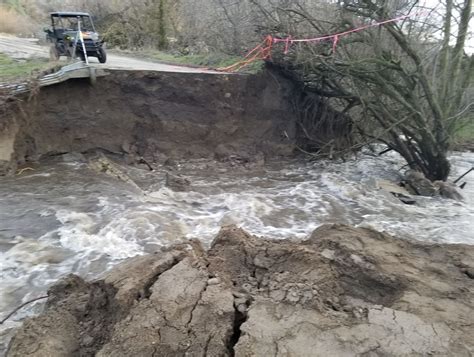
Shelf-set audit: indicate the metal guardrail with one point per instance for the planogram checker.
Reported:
(71, 71)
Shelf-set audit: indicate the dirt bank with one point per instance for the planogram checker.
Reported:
(152, 114)
(342, 292)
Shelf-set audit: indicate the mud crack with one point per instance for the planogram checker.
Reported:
(240, 318)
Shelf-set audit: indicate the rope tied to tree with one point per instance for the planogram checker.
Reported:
(263, 51)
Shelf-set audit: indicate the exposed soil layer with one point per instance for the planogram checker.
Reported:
(155, 115)
(342, 292)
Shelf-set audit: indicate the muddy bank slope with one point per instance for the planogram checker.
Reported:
(152, 114)
(342, 292)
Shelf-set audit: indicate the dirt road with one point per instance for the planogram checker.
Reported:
(24, 48)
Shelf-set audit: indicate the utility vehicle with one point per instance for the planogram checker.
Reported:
(73, 34)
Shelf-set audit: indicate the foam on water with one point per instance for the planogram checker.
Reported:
(65, 219)
(117, 239)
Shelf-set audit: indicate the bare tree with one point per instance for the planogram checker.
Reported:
(394, 92)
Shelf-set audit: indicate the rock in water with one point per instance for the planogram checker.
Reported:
(177, 182)
(343, 292)
(73, 157)
(405, 199)
(448, 190)
(399, 192)
(102, 164)
(419, 184)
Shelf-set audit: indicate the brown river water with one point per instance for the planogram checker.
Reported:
(63, 218)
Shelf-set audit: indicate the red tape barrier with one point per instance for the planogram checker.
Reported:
(264, 50)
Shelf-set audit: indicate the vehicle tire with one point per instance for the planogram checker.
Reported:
(53, 53)
(102, 56)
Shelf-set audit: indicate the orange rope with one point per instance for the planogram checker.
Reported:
(263, 51)
(257, 54)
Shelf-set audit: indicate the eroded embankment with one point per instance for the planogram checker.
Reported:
(342, 292)
(152, 114)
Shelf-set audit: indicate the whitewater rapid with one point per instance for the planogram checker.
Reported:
(63, 218)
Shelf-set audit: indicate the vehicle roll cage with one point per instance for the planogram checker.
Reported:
(57, 19)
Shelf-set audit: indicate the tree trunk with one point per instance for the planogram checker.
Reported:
(162, 36)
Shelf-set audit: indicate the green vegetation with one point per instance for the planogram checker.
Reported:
(212, 60)
(162, 37)
(465, 131)
(11, 69)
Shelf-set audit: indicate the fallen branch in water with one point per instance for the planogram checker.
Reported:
(460, 177)
(143, 161)
(385, 151)
(20, 307)
(25, 169)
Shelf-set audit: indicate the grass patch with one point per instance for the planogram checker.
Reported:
(11, 69)
(465, 131)
(212, 60)
(463, 137)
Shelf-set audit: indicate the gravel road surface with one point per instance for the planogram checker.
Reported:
(24, 48)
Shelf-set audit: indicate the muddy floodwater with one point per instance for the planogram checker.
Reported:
(63, 218)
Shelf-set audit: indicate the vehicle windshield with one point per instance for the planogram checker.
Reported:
(70, 23)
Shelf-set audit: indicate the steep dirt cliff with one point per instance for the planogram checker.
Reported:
(152, 114)
(342, 292)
